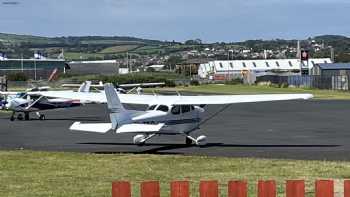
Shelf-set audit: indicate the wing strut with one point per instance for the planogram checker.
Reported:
(214, 115)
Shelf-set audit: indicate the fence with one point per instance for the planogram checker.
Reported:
(294, 188)
(3, 83)
(331, 82)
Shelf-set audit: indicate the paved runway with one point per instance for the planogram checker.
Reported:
(313, 130)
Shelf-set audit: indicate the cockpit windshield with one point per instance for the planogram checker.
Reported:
(152, 107)
(163, 108)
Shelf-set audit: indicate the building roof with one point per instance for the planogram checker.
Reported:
(157, 66)
(335, 66)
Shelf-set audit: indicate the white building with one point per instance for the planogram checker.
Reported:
(157, 67)
(259, 67)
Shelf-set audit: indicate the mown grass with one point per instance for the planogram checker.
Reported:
(26, 173)
(254, 89)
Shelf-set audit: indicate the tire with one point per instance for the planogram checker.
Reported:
(19, 117)
(42, 117)
(12, 118)
(26, 116)
(188, 141)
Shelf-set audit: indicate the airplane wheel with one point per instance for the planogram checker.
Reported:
(12, 118)
(42, 117)
(188, 141)
(26, 116)
(20, 117)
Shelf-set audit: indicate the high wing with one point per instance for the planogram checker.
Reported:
(100, 97)
(131, 85)
(9, 93)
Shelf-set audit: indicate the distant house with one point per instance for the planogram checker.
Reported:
(331, 69)
(191, 66)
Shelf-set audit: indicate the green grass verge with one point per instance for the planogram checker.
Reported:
(119, 49)
(25, 173)
(245, 89)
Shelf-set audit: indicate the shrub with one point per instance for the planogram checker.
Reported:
(194, 83)
(234, 81)
(17, 77)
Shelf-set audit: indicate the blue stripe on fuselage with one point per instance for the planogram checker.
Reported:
(176, 122)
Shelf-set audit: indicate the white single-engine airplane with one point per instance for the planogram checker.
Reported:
(165, 115)
(24, 103)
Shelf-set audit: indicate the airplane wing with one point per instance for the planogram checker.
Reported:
(100, 97)
(131, 85)
(105, 127)
(9, 93)
(231, 99)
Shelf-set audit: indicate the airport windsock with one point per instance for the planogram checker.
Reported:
(53, 75)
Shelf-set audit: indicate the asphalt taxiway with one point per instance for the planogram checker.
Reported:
(312, 130)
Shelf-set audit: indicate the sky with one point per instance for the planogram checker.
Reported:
(179, 20)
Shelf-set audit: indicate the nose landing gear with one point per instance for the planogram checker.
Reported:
(199, 141)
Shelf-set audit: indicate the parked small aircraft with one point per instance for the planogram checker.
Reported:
(24, 103)
(166, 115)
(122, 88)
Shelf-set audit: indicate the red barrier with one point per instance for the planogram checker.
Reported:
(179, 189)
(266, 189)
(150, 189)
(295, 188)
(208, 189)
(324, 188)
(121, 189)
(347, 188)
(237, 189)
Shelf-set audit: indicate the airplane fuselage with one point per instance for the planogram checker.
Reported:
(178, 119)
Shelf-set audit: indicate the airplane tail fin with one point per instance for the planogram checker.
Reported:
(85, 86)
(118, 114)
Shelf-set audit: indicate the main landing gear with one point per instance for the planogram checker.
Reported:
(25, 116)
(40, 116)
(20, 116)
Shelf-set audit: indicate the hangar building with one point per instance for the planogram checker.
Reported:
(102, 67)
(229, 68)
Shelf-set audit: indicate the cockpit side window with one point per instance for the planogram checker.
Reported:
(175, 110)
(163, 108)
(185, 108)
(152, 107)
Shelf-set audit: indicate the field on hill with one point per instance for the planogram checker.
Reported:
(26, 173)
(119, 49)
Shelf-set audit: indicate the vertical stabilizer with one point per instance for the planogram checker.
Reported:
(85, 86)
(118, 114)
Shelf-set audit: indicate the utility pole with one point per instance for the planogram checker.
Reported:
(34, 69)
(332, 55)
(127, 61)
(22, 62)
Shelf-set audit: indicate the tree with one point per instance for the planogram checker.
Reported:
(173, 61)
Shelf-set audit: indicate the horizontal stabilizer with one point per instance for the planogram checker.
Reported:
(139, 128)
(96, 127)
